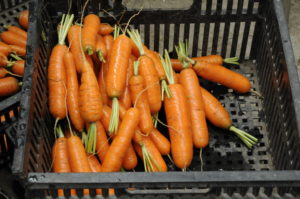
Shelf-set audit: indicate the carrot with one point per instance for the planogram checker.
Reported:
(17, 30)
(212, 59)
(105, 29)
(160, 141)
(95, 167)
(13, 39)
(125, 98)
(23, 18)
(148, 72)
(89, 33)
(9, 86)
(73, 89)
(17, 50)
(116, 75)
(178, 119)
(140, 100)
(189, 80)
(57, 74)
(18, 67)
(218, 116)
(102, 143)
(108, 40)
(74, 41)
(102, 86)
(118, 148)
(148, 152)
(60, 158)
(4, 72)
(4, 61)
(4, 48)
(100, 48)
(130, 160)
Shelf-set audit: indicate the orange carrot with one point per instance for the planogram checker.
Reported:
(189, 80)
(74, 41)
(118, 148)
(4, 61)
(4, 72)
(101, 83)
(23, 18)
(116, 75)
(160, 141)
(102, 144)
(17, 30)
(212, 59)
(130, 160)
(17, 50)
(4, 48)
(57, 75)
(178, 119)
(218, 116)
(152, 155)
(140, 100)
(95, 167)
(125, 98)
(60, 157)
(18, 67)
(8, 86)
(13, 39)
(105, 29)
(89, 33)
(148, 72)
(73, 89)
(100, 48)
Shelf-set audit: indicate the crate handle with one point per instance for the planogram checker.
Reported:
(134, 191)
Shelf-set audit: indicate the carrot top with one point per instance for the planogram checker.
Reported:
(168, 67)
(65, 24)
(182, 53)
(136, 38)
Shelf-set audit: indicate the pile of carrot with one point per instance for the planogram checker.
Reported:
(111, 88)
(12, 54)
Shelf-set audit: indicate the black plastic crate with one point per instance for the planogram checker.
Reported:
(256, 31)
(9, 106)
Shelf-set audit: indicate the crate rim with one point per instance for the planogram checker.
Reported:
(139, 179)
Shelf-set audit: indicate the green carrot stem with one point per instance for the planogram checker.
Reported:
(114, 119)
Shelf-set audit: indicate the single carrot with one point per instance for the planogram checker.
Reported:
(105, 29)
(130, 160)
(73, 89)
(148, 72)
(4, 48)
(100, 48)
(218, 116)
(140, 100)
(176, 77)
(118, 148)
(17, 50)
(125, 98)
(60, 158)
(178, 119)
(160, 141)
(149, 153)
(95, 167)
(4, 61)
(17, 30)
(23, 18)
(89, 33)
(13, 39)
(9, 86)
(77, 157)
(212, 59)
(116, 75)
(74, 42)
(4, 72)
(18, 67)
(57, 84)
(102, 143)
(190, 82)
